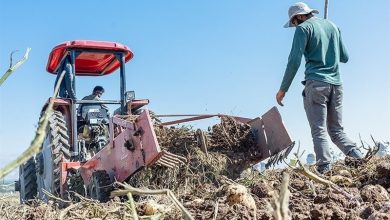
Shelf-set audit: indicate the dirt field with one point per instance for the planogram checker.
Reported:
(368, 184)
(217, 186)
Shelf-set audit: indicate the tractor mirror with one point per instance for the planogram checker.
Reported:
(130, 96)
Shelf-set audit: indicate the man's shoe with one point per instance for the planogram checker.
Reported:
(355, 153)
(324, 168)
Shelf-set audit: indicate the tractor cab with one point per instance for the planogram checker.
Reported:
(88, 117)
(88, 58)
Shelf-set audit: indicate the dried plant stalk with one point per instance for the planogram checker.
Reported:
(280, 202)
(304, 171)
(132, 206)
(129, 189)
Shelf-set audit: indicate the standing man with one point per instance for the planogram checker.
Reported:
(319, 40)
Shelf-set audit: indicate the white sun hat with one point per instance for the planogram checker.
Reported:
(298, 8)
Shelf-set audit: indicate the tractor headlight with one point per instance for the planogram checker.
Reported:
(130, 96)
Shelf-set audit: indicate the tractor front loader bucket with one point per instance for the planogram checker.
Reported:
(271, 137)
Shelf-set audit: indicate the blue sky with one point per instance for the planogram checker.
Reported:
(221, 56)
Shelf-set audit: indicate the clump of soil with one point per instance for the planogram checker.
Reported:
(231, 135)
(374, 193)
(262, 189)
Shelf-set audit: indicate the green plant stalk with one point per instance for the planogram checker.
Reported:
(14, 67)
(36, 143)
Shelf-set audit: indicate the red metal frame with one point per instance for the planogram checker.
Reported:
(199, 117)
(97, 57)
(65, 165)
(271, 136)
(277, 134)
(58, 103)
(120, 161)
(138, 103)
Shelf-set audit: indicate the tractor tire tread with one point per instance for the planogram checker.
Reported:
(103, 185)
(29, 180)
(60, 147)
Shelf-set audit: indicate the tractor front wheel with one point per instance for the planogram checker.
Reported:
(100, 186)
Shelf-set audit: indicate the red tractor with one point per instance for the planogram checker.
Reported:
(82, 139)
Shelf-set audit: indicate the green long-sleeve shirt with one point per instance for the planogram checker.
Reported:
(319, 40)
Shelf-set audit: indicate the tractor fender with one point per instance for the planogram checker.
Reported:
(61, 105)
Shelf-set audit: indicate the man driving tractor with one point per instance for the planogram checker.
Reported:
(96, 95)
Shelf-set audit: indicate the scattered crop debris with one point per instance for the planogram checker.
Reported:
(220, 185)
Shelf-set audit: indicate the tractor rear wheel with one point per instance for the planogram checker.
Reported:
(55, 148)
(100, 186)
(27, 184)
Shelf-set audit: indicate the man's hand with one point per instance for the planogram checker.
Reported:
(280, 96)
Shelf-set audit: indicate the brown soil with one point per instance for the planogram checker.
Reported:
(202, 185)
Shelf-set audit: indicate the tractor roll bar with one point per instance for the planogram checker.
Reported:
(120, 56)
(97, 102)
